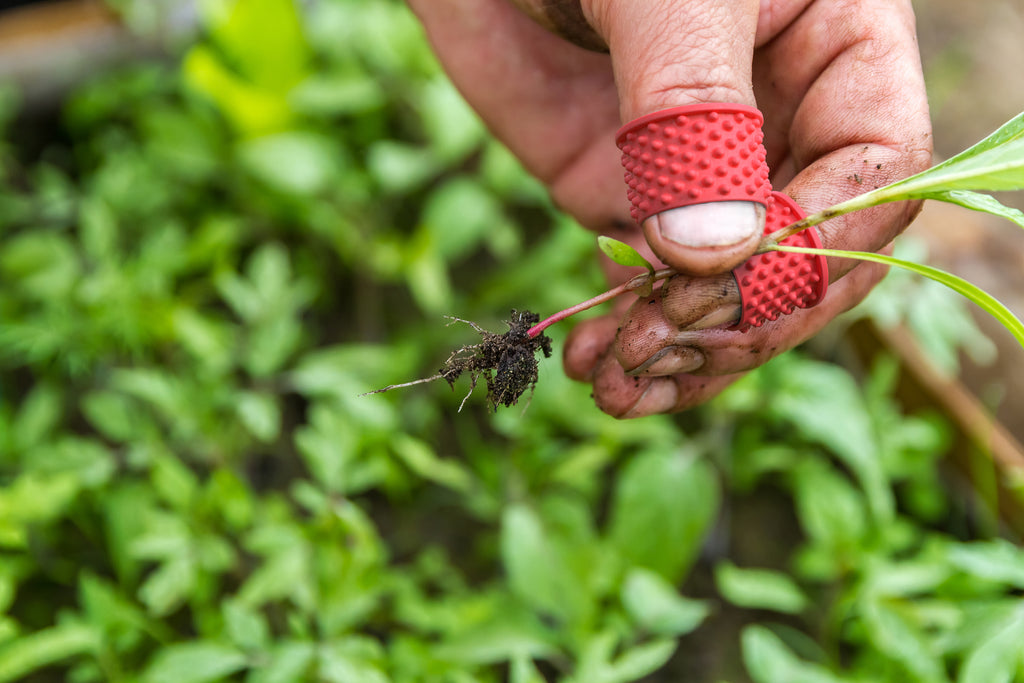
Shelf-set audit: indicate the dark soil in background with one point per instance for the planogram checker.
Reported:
(11, 4)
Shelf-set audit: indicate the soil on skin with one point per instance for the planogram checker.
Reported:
(507, 361)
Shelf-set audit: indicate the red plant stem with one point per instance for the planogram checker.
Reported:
(647, 279)
(573, 310)
(638, 282)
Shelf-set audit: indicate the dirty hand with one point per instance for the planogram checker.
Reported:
(839, 84)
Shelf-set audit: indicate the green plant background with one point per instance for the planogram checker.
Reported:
(216, 256)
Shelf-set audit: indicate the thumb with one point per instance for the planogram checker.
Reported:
(671, 53)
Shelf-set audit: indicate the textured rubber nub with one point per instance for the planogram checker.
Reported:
(776, 283)
(692, 155)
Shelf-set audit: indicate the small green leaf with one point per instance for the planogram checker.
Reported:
(246, 627)
(327, 94)
(759, 589)
(109, 610)
(986, 301)
(112, 414)
(654, 604)
(662, 506)
(766, 657)
(995, 560)
(831, 510)
(284, 662)
(285, 571)
(980, 202)
(260, 414)
(823, 404)
(595, 664)
(497, 628)
(769, 660)
(536, 568)
(42, 648)
(297, 163)
(996, 659)
(905, 577)
(399, 167)
(639, 661)
(995, 164)
(427, 276)
(622, 253)
(425, 462)
(331, 450)
(593, 660)
(523, 671)
(452, 126)
(167, 587)
(251, 109)
(278, 61)
(173, 481)
(352, 658)
(34, 498)
(458, 215)
(40, 412)
(196, 662)
(898, 635)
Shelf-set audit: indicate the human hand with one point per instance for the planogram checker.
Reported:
(840, 87)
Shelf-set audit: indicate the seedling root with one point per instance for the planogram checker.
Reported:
(507, 361)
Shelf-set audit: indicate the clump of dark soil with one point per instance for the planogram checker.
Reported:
(507, 361)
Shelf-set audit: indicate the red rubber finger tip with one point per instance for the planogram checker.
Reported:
(693, 155)
(776, 283)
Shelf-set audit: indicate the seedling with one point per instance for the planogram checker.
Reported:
(508, 361)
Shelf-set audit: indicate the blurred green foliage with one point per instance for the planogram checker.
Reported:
(216, 256)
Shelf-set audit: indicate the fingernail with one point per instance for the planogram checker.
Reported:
(729, 314)
(661, 396)
(670, 360)
(715, 224)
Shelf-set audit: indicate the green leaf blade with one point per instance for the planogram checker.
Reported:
(622, 253)
(986, 301)
(824, 405)
(522, 670)
(653, 603)
(996, 659)
(769, 660)
(45, 647)
(759, 589)
(996, 164)
(537, 571)
(641, 660)
(980, 202)
(662, 508)
(194, 662)
(992, 165)
(996, 560)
